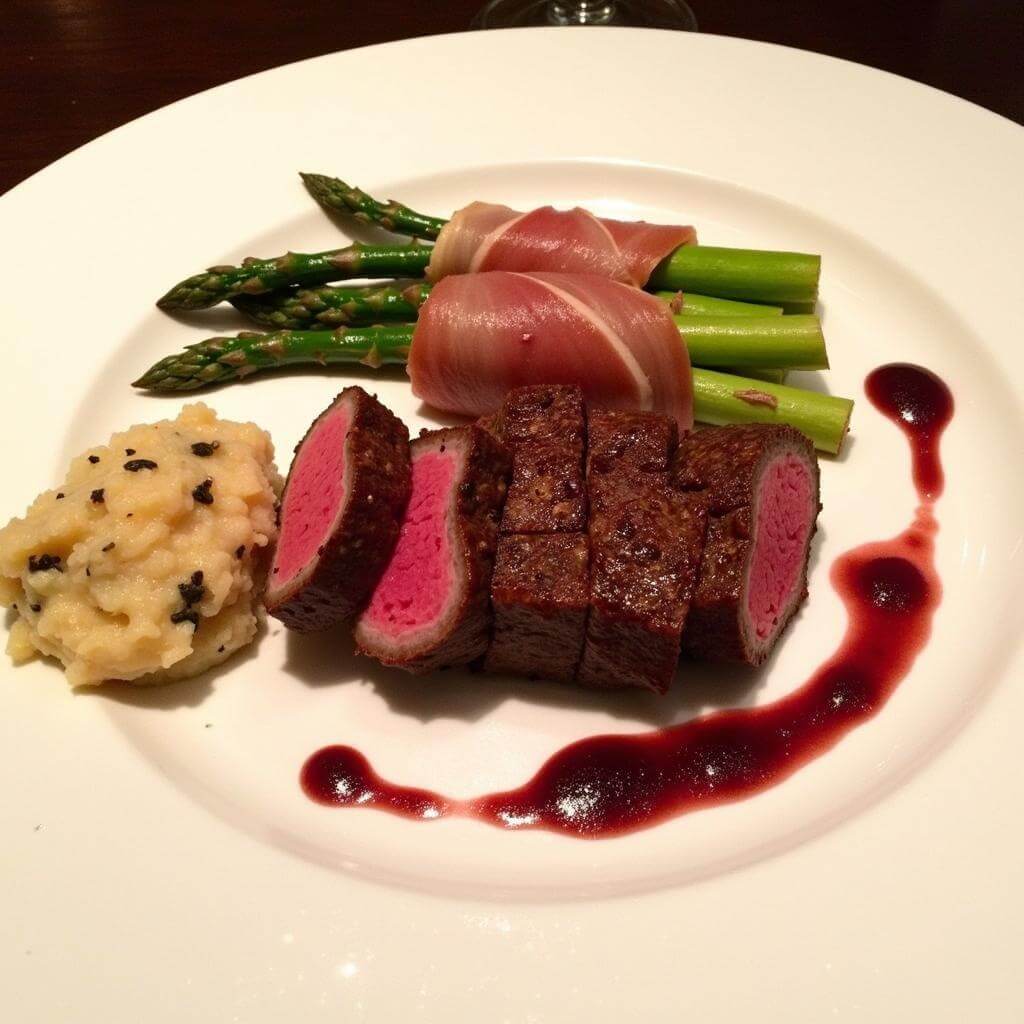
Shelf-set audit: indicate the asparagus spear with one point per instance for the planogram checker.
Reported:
(787, 342)
(256, 276)
(223, 359)
(331, 306)
(710, 341)
(718, 397)
(753, 275)
(334, 194)
(689, 304)
(746, 274)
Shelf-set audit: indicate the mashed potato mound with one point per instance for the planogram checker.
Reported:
(148, 562)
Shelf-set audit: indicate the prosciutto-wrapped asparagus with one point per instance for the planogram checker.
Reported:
(489, 236)
(481, 335)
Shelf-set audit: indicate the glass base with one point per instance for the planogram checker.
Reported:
(638, 13)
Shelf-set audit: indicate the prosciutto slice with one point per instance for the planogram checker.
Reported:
(481, 335)
(486, 236)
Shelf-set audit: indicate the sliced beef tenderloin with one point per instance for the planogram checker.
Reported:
(431, 608)
(547, 493)
(543, 412)
(540, 592)
(623, 443)
(544, 427)
(645, 546)
(761, 485)
(340, 513)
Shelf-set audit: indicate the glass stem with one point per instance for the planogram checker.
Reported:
(582, 12)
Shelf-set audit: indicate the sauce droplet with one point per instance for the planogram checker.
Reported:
(921, 404)
(343, 776)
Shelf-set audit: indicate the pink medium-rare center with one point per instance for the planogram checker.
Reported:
(431, 608)
(342, 503)
(785, 515)
(316, 492)
(416, 585)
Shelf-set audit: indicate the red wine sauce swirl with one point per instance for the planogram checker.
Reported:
(609, 785)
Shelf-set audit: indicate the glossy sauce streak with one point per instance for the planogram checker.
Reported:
(920, 404)
(609, 785)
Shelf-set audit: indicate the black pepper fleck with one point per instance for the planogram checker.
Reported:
(36, 607)
(186, 615)
(108, 547)
(60, 494)
(129, 451)
(97, 496)
(88, 571)
(193, 591)
(94, 459)
(201, 492)
(40, 563)
(204, 449)
(240, 551)
(134, 465)
(220, 650)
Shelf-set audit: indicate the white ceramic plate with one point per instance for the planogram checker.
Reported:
(160, 861)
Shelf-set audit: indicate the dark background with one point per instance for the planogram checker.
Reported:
(73, 69)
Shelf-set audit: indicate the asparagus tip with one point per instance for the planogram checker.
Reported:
(170, 303)
(317, 184)
(146, 382)
(151, 379)
(197, 292)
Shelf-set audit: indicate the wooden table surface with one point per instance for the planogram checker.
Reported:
(71, 70)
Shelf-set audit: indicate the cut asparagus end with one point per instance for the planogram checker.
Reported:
(751, 275)
(721, 399)
(787, 342)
